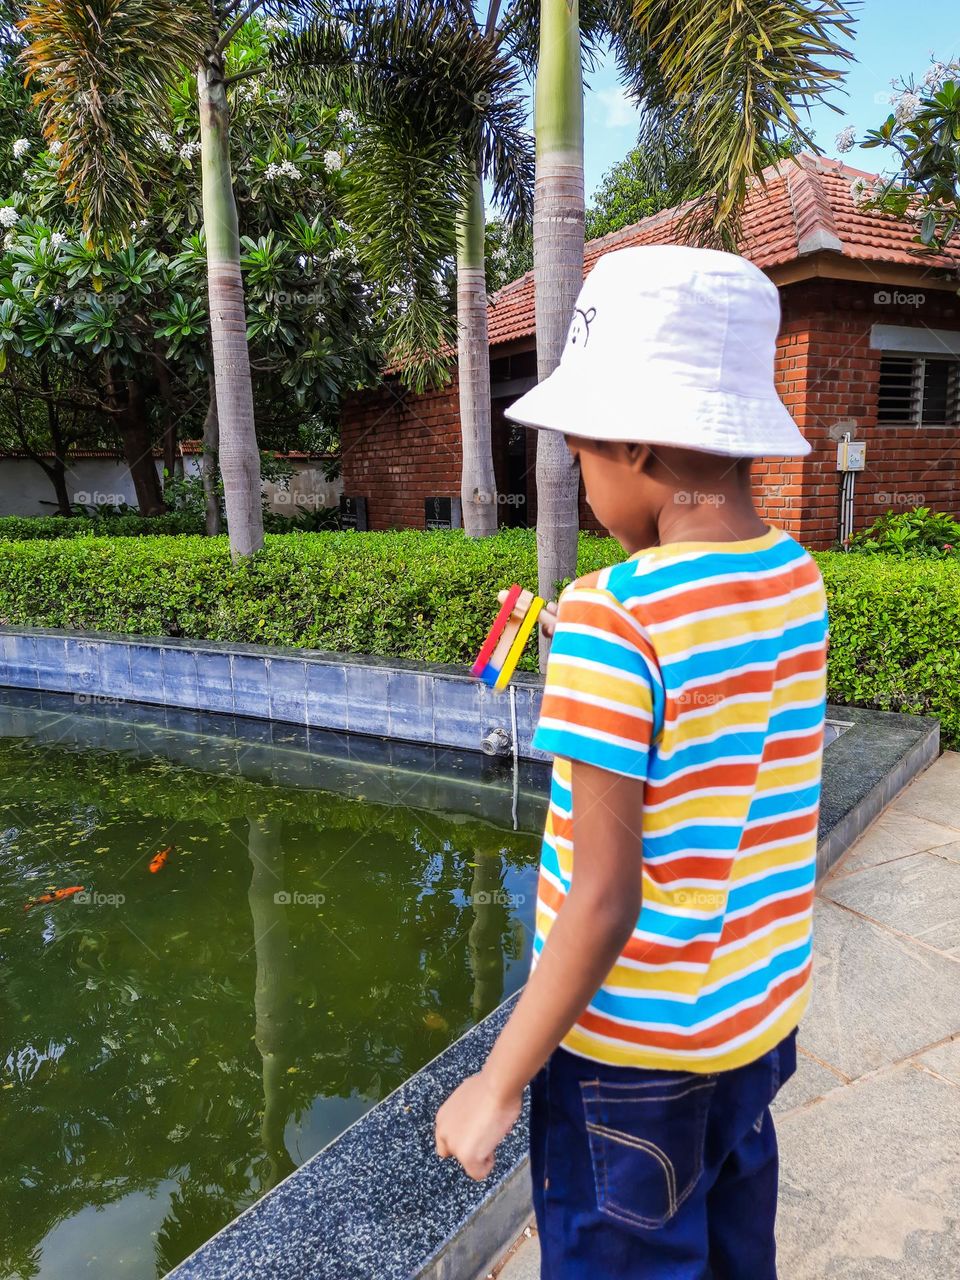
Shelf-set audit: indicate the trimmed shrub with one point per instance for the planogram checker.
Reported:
(895, 635)
(21, 528)
(430, 596)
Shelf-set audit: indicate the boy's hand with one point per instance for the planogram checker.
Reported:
(548, 615)
(473, 1122)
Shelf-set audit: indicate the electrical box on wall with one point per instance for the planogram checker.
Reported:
(851, 455)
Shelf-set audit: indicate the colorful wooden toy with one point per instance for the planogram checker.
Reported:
(505, 642)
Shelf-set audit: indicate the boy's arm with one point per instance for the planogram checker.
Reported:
(592, 927)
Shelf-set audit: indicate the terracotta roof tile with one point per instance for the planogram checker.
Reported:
(801, 206)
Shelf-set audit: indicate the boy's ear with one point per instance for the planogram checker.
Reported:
(639, 456)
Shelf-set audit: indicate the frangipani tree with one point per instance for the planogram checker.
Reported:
(70, 315)
(104, 71)
(922, 136)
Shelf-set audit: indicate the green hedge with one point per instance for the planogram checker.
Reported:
(895, 622)
(20, 528)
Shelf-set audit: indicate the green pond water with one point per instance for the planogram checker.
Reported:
(177, 1043)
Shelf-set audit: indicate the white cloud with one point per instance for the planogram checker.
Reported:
(620, 111)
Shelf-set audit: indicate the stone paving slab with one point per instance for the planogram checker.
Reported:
(877, 997)
(868, 1186)
(935, 794)
(811, 1080)
(895, 835)
(920, 896)
(945, 1060)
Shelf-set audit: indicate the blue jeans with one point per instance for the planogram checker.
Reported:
(656, 1175)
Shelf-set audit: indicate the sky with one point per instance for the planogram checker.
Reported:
(891, 40)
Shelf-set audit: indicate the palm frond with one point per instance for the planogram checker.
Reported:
(102, 71)
(437, 101)
(519, 30)
(732, 78)
(431, 65)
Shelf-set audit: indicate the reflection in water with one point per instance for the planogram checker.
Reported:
(273, 998)
(171, 1047)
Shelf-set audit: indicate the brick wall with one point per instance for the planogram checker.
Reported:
(828, 376)
(398, 450)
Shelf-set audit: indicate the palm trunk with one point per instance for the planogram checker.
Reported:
(478, 486)
(208, 463)
(239, 455)
(558, 271)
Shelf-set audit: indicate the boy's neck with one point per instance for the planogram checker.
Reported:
(713, 518)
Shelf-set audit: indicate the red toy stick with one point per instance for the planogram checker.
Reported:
(495, 632)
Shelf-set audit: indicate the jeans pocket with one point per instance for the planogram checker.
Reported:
(646, 1144)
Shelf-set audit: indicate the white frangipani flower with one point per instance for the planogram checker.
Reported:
(333, 161)
(9, 239)
(8, 216)
(57, 238)
(348, 118)
(188, 150)
(862, 192)
(846, 139)
(905, 107)
(55, 147)
(20, 148)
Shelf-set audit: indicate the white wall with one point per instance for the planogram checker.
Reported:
(25, 489)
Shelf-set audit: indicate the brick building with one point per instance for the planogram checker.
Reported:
(869, 345)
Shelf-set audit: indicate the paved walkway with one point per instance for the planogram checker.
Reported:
(869, 1126)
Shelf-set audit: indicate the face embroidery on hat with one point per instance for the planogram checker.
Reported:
(579, 331)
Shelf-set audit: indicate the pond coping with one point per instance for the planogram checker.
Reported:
(430, 703)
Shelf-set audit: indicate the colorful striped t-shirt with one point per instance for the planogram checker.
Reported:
(699, 668)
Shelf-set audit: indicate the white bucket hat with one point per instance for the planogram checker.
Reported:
(670, 345)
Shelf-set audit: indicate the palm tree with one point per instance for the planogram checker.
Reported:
(728, 78)
(429, 84)
(416, 73)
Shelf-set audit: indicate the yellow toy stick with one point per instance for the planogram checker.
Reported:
(516, 649)
(498, 658)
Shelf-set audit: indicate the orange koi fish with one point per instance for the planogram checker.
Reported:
(159, 859)
(56, 896)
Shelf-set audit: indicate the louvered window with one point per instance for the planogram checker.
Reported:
(918, 390)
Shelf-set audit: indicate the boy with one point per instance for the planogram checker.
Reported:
(684, 705)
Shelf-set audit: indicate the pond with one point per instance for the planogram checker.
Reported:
(265, 938)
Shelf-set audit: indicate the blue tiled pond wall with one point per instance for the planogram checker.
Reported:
(414, 702)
